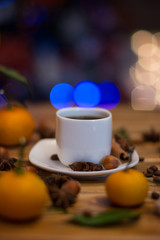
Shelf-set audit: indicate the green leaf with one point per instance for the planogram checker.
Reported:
(13, 75)
(105, 218)
(123, 133)
(157, 183)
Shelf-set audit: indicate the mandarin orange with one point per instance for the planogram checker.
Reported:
(127, 188)
(23, 195)
(15, 122)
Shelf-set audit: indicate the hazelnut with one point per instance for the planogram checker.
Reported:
(110, 162)
(4, 153)
(71, 186)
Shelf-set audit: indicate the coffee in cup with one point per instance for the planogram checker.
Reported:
(83, 134)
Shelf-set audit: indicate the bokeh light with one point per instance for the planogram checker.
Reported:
(140, 38)
(143, 77)
(5, 3)
(61, 96)
(86, 94)
(147, 50)
(143, 98)
(149, 64)
(157, 95)
(34, 13)
(110, 95)
(146, 71)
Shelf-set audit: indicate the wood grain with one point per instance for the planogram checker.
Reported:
(57, 225)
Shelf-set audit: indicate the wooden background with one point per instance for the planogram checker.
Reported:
(56, 224)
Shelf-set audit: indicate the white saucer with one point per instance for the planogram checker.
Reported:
(40, 156)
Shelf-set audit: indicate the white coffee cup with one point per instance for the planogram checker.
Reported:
(83, 140)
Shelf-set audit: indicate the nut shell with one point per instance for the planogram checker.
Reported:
(110, 162)
(71, 186)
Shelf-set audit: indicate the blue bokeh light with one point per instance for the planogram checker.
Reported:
(110, 95)
(61, 96)
(3, 101)
(5, 3)
(86, 94)
(35, 13)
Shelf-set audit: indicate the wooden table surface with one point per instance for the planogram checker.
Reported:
(56, 224)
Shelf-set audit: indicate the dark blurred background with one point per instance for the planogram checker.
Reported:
(54, 41)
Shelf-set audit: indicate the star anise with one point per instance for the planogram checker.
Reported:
(151, 136)
(7, 164)
(61, 198)
(85, 166)
(56, 180)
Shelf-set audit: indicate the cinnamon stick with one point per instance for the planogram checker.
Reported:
(118, 152)
(124, 144)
